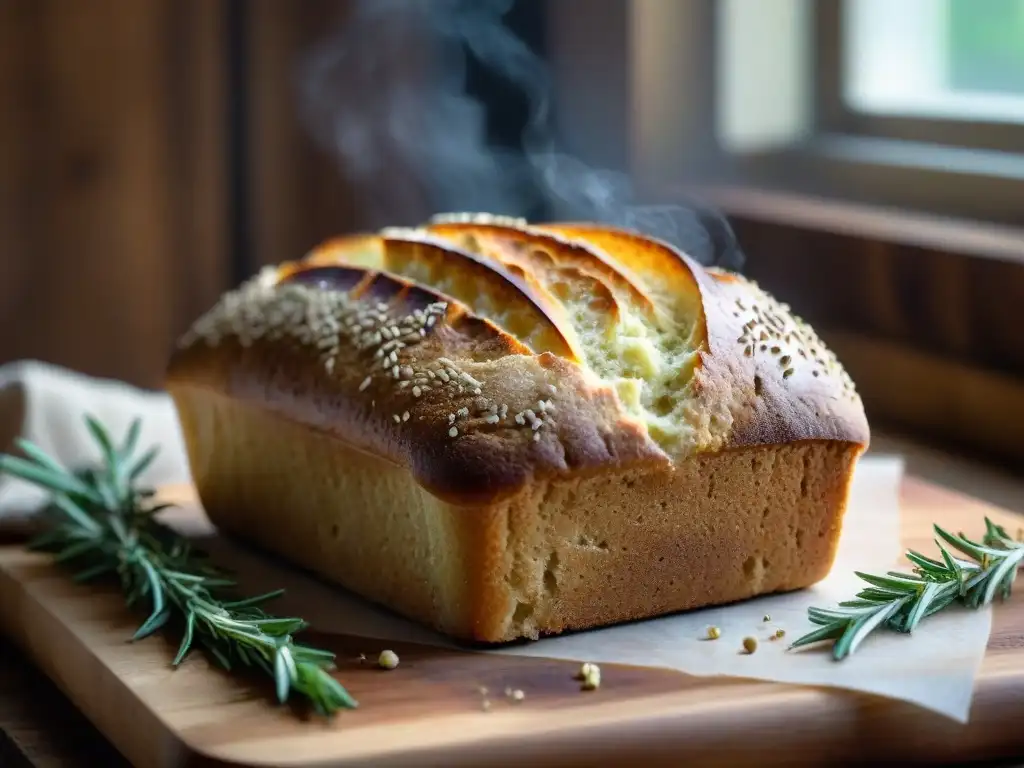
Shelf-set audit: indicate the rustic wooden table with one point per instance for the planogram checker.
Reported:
(40, 727)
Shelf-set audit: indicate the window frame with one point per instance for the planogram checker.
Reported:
(835, 116)
(929, 166)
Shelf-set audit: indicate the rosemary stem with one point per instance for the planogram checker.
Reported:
(102, 523)
(900, 601)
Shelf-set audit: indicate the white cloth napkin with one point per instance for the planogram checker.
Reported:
(47, 405)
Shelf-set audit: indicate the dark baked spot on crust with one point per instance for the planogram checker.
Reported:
(334, 278)
(457, 467)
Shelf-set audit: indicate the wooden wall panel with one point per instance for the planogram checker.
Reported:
(923, 313)
(939, 302)
(297, 192)
(111, 179)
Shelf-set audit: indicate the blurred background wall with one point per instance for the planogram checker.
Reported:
(869, 155)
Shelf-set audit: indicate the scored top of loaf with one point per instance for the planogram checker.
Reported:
(482, 351)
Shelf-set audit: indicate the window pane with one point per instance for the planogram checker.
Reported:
(986, 46)
(959, 59)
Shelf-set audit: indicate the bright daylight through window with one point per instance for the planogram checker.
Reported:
(950, 59)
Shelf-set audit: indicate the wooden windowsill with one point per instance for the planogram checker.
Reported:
(959, 236)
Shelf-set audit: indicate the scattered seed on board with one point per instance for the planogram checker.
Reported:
(714, 633)
(387, 660)
(485, 703)
(749, 644)
(779, 634)
(590, 675)
(767, 618)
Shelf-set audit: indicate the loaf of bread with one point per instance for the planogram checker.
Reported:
(506, 430)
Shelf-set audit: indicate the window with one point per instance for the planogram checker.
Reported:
(949, 59)
(920, 103)
(915, 104)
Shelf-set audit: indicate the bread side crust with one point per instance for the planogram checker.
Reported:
(567, 554)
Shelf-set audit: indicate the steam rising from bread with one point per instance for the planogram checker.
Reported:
(387, 94)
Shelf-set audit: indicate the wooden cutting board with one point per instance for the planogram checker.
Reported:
(429, 711)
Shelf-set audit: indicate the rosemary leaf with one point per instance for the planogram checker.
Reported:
(101, 523)
(45, 477)
(186, 639)
(152, 624)
(253, 601)
(828, 632)
(140, 466)
(926, 564)
(131, 440)
(863, 625)
(110, 458)
(922, 604)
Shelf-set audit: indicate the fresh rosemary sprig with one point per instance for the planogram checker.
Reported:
(899, 601)
(101, 523)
